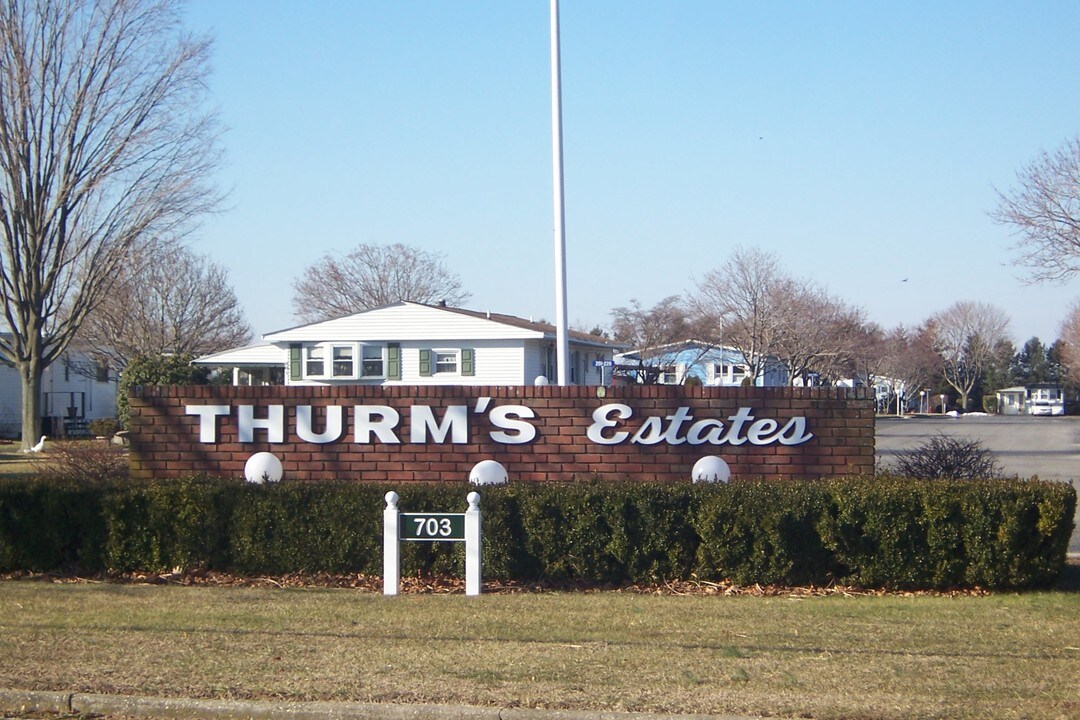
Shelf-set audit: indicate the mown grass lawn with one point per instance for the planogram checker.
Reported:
(1001, 656)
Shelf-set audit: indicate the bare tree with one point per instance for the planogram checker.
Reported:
(1044, 208)
(965, 338)
(740, 300)
(102, 145)
(167, 300)
(906, 361)
(816, 332)
(650, 333)
(867, 353)
(372, 276)
(1070, 343)
(763, 313)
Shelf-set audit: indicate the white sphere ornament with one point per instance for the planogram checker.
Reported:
(488, 472)
(263, 467)
(540, 381)
(710, 469)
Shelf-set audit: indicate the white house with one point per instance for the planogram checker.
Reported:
(1034, 399)
(408, 343)
(675, 363)
(74, 391)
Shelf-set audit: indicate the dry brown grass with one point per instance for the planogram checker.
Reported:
(832, 656)
(826, 657)
(14, 462)
(78, 460)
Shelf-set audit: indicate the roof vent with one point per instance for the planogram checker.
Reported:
(442, 303)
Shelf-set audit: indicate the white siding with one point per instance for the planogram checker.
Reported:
(497, 363)
(536, 361)
(504, 352)
(10, 402)
(63, 388)
(59, 389)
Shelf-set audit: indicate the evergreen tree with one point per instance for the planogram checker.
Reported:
(1032, 364)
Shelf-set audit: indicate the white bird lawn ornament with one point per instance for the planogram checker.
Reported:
(39, 447)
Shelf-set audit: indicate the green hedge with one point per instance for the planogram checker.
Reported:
(873, 532)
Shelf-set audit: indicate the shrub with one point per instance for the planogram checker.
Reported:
(82, 461)
(157, 370)
(103, 427)
(880, 531)
(946, 457)
(764, 532)
(50, 526)
(160, 525)
(288, 527)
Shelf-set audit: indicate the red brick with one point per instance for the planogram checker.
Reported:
(165, 439)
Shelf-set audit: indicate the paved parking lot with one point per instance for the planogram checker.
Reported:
(1045, 446)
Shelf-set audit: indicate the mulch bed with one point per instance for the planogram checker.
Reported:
(446, 585)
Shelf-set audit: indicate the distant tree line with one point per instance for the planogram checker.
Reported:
(753, 306)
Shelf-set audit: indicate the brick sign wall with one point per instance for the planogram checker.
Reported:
(405, 434)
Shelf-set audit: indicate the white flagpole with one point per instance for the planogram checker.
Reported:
(561, 345)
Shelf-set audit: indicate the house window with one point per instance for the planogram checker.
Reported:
(446, 362)
(729, 373)
(549, 363)
(574, 362)
(669, 375)
(373, 364)
(314, 361)
(344, 361)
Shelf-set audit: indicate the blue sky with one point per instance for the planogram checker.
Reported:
(861, 142)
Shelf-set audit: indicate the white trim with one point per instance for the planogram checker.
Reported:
(436, 352)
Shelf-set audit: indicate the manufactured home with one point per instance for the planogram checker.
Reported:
(1035, 399)
(695, 361)
(408, 343)
(74, 391)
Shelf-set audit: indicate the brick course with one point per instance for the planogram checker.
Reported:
(165, 439)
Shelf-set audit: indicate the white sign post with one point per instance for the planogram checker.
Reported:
(431, 527)
(600, 365)
(391, 564)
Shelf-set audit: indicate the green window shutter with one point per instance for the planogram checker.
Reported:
(425, 363)
(393, 361)
(468, 366)
(295, 361)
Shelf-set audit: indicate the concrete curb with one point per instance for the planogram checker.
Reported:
(27, 701)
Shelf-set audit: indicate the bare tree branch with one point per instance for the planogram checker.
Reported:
(658, 329)
(1044, 209)
(739, 300)
(966, 338)
(103, 146)
(373, 276)
(1070, 343)
(815, 332)
(168, 300)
